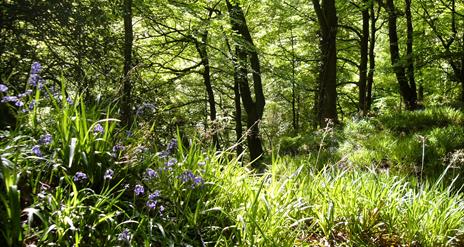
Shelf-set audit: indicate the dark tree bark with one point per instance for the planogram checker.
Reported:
(372, 39)
(127, 85)
(407, 90)
(245, 52)
(364, 60)
(409, 49)
(201, 46)
(238, 115)
(327, 98)
(295, 93)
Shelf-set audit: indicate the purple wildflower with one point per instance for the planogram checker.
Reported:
(198, 180)
(161, 209)
(139, 190)
(27, 93)
(151, 204)
(171, 162)
(3, 88)
(163, 154)
(150, 173)
(69, 100)
(46, 139)
(124, 235)
(187, 176)
(80, 176)
(36, 68)
(31, 105)
(172, 146)
(9, 99)
(19, 103)
(118, 147)
(98, 129)
(36, 150)
(108, 174)
(154, 195)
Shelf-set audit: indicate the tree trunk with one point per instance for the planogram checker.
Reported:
(238, 116)
(201, 47)
(364, 60)
(127, 87)
(406, 90)
(327, 99)
(295, 101)
(246, 51)
(370, 75)
(409, 50)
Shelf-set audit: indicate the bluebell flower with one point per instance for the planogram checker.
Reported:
(154, 195)
(139, 190)
(34, 78)
(45, 139)
(9, 99)
(150, 173)
(118, 147)
(108, 174)
(36, 68)
(31, 105)
(151, 204)
(36, 151)
(27, 93)
(80, 176)
(124, 235)
(187, 176)
(161, 209)
(198, 180)
(19, 103)
(171, 162)
(172, 146)
(98, 129)
(163, 154)
(69, 100)
(3, 88)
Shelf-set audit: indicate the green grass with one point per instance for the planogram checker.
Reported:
(336, 192)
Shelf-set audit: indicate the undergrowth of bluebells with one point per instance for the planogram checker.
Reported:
(71, 177)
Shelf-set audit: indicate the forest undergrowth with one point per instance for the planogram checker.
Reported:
(71, 177)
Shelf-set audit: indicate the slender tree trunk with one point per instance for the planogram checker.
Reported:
(370, 75)
(246, 51)
(127, 87)
(238, 117)
(327, 99)
(201, 47)
(295, 102)
(364, 60)
(409, 50)
(406, 90)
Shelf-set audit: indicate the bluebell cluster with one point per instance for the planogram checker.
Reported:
(124, 235)
(36, 151)
(45, 139)
(170, 149)
(80, 177)
(98, 129)
(139, 190)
